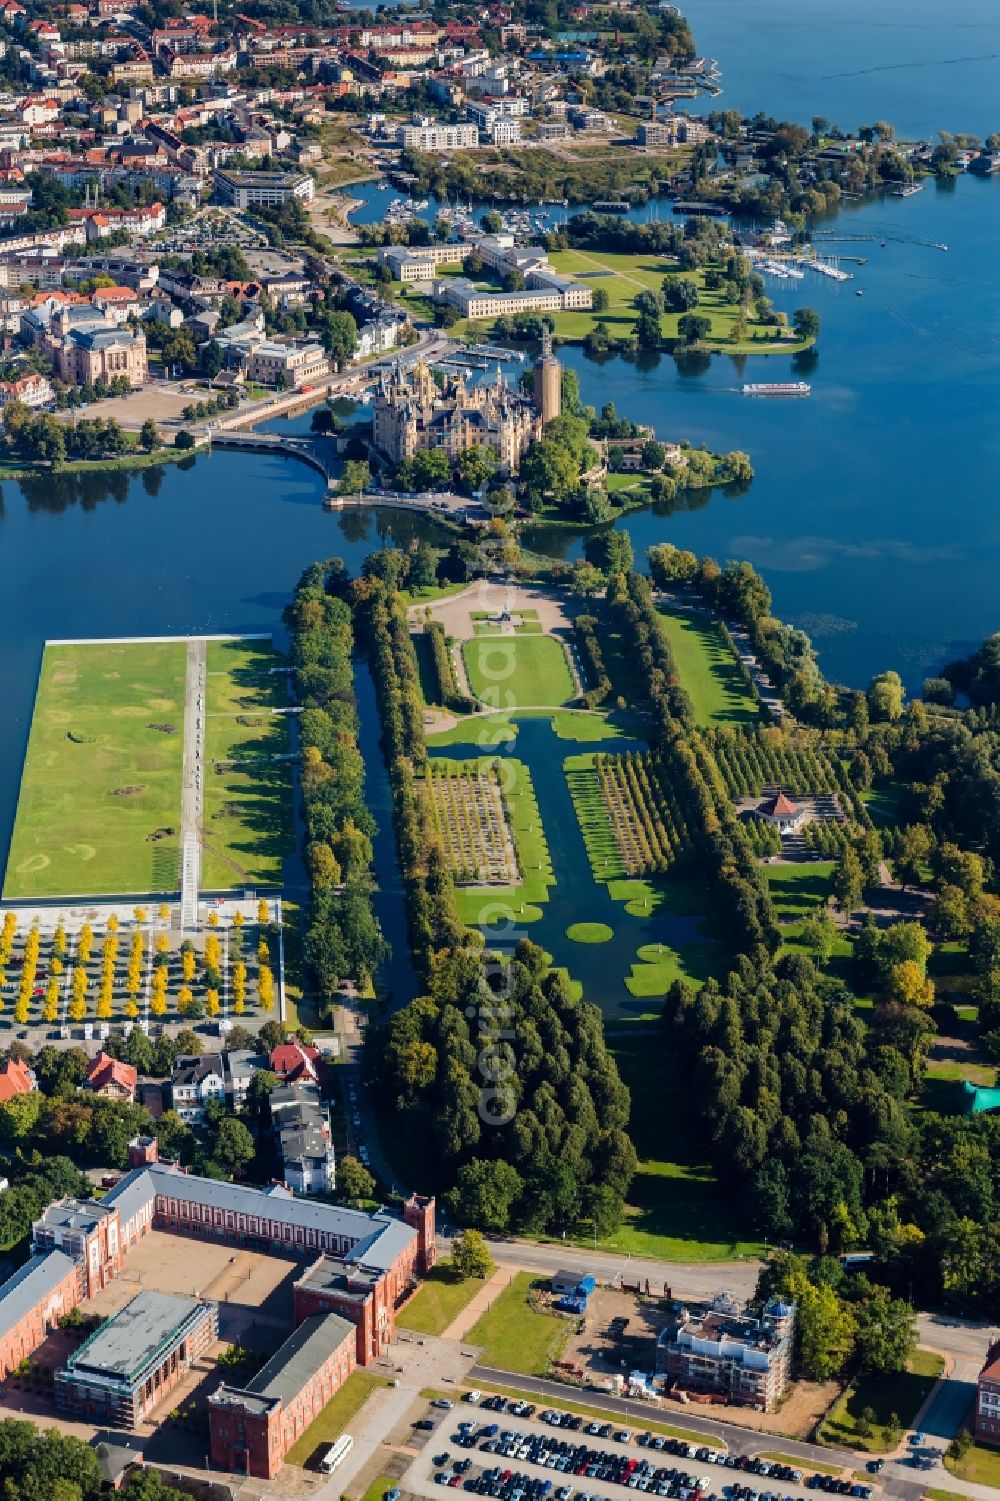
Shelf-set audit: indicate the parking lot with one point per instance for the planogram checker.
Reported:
(514, 1451)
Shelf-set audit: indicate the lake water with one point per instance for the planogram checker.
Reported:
(873, 515)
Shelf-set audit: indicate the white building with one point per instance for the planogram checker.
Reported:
(433, 135)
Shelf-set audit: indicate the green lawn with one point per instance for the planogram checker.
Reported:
(441, 1298)
(980, 1466)
(516, 1338)
(335, 1416)
(623, 277)
(514, 671)
(902, 1395)
(589, 932)
(379, 1488)
(248, 818)
(100, 799)
(798, 889)
(709, 670)
(676, 1210)
(491, 730)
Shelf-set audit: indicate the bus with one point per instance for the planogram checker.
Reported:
(333, 1457)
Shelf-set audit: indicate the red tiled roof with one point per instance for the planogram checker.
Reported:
(779, 807)
(15, 1079)
(106, 1070)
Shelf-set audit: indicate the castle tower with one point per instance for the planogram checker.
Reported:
(548, 382)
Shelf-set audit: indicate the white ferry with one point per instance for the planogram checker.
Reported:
(779, 388)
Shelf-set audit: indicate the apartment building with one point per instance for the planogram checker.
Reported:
(725, 1348)
(435, 135)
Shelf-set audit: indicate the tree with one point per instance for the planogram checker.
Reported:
(826, 1330)
(649, 302)
(599, 300)
(647, 331)
(513, 281)
(354, 1180)
(476, 465)
(212, 358)
(806, 322)
(885, 697)
(586, 579)
(232, 1143)
(654, 455)
(356, 478)
(737, 466)
(913, 854)
(485, 1192)
(470, 1255)
(338, 334)
(680, 294)
(886, 1332)
(183, 439)
(848, 880)
(610, 551)
(693, 327)
(149, 436)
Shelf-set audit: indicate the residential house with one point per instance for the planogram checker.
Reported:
(15, 1078)
(111, 1077)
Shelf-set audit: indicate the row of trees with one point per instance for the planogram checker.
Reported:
(589, 649)
(447, 691)
(343, 938)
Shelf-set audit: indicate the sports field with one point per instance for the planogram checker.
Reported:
(248, 820)
(514, 672)
(709, 671)
(100, 796)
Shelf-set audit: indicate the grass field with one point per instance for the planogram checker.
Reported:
(979, 1465)
(336, 1415)
(491, 730)
(516, 1338)
(442, 1296)
(248, 818)
(901, 1396)
(516, 671)
(589, 932)
(623, 277)
(676, 1209)
(798, 889)
(709, 671)
(100, 779)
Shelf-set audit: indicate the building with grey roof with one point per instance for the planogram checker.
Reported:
(32, 1301)
(134, 1359)
(253, 1427)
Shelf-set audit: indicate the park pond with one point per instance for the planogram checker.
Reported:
(654, 921)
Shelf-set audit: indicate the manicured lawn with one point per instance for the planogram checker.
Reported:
(379, 1487)
(980, 1466)
(335, 1416)
(489, 904)
(567, 724)
(512, 671)
(589, 932)
(709, 671)
(798, 889)
(441, 1298)
(102, 778)
(676, 1209)
(516, 1338)
(593, 817)
(902, 1395)
(248, 818)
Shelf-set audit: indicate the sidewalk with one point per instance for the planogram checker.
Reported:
(490, 1290)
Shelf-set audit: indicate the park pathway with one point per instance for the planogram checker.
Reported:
(491, 1289)
(192, 780)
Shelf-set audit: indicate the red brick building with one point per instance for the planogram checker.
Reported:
(32, 1302)
(87, 1231)
(252, 1428)
(986, 1419)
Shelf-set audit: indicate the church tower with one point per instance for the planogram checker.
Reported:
(548, 382)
